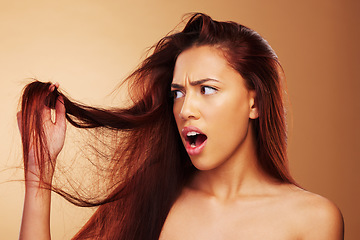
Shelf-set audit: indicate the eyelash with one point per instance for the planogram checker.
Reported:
(174, 93)
(202, 91)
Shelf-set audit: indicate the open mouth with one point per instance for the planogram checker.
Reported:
(195, 139)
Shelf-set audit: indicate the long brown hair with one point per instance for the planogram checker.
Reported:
(149, 167)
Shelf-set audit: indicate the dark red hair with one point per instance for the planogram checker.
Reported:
(149, 167)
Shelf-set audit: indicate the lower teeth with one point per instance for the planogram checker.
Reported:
(193, 145)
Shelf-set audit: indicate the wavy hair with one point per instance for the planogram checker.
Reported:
(149, 166)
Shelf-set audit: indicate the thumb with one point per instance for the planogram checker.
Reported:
(60, 117)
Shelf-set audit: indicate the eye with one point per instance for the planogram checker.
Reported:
(206, 90)
(177, 94)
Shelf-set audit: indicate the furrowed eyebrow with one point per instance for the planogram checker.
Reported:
(174, 85)
(194, 83)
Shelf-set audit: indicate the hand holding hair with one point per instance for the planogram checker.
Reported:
(42, 138)
(42, 141)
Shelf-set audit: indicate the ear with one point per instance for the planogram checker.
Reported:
(254, 113)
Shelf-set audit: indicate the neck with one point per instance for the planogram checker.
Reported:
(238, 176)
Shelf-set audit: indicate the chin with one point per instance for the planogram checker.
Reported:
(202, 164)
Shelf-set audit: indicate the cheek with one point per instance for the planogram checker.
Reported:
(229, 120)
(227, 109)
(176, 112)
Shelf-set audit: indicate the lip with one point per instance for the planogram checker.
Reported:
(192, 151)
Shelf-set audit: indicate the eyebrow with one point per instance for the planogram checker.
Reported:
(194, 83)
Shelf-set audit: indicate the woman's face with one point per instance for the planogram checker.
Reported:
(212, 107)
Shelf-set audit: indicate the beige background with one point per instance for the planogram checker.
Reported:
(90, 45)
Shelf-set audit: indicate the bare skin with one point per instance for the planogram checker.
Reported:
(285, 212)
(230, 197)
(36, 212)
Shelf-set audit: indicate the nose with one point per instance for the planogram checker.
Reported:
(189, 109)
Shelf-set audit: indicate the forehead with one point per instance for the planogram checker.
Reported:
(201, 62)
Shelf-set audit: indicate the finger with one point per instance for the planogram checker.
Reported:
(60, 117)
(46, 114)
(53, 86)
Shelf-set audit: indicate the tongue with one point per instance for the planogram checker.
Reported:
(200, 139)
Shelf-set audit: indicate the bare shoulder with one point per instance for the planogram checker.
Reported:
(317, 217)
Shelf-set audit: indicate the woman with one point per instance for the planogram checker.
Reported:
(207, 161)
